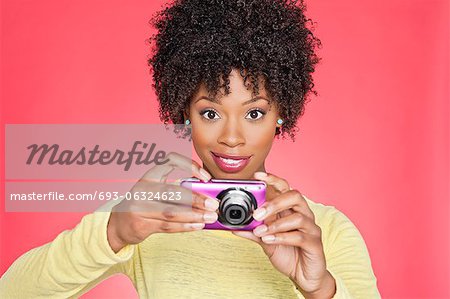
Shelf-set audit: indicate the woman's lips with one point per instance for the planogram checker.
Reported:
(228, 163)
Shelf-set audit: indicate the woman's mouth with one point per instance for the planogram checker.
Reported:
(230, 163)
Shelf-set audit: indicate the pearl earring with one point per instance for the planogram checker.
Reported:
(187, 122)
(279, 121)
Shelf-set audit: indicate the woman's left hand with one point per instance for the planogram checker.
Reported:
(291, 238)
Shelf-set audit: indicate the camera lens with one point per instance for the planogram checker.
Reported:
(235, 214)
(236, 207)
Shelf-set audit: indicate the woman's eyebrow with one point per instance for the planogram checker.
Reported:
(214, 100)
(255, 99)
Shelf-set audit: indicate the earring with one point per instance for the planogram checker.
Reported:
(279, 121)
(187, 122)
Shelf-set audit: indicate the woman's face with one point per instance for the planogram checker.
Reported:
(233, 134)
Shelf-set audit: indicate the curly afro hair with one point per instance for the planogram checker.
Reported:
(203, 40)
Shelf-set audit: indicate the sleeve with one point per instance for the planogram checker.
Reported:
(73, 263)
(347, 259)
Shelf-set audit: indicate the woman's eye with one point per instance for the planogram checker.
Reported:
(255, 114)
(209, 114)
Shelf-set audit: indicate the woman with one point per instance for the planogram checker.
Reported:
(238, 72)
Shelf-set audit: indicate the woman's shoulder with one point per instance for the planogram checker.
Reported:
(329, 218)
(323, 212)
(337, 229)
(345, 251)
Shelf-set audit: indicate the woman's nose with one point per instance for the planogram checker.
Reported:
(231, 134)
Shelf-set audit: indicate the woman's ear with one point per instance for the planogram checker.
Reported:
(279, 121)
(279, 124)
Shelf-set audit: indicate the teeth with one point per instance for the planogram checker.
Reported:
(230, 161)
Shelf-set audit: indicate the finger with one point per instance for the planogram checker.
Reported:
(292, 199)
(188, 199)
(293, 238)
(278, 183)
(176, 214)
(295, 221)
(152, 194)
(176, 160)
(159, 173)
(247, 235)
(162, 226)
(204, 202)
(268, 249)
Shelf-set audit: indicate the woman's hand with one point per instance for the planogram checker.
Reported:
(291, 239)
(132, 221)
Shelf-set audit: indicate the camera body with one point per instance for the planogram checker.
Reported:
(237, 201)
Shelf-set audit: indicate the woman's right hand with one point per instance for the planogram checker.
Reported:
(132, 221)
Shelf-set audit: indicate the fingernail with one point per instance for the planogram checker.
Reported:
(211, 204)
(268, 239)
(259, 230)
(210, 217)
(196, 225)
(259, 213)
(205, 174)
(260, 174)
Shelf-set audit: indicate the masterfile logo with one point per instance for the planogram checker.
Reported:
(78, 167)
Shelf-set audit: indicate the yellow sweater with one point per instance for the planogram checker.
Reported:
(201, 264)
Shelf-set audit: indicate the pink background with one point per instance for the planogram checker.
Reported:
(374, 143)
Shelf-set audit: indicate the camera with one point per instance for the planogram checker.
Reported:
(237, 201)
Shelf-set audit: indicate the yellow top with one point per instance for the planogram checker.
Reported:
(200, 264)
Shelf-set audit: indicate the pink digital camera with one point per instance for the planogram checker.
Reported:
(237, 201)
